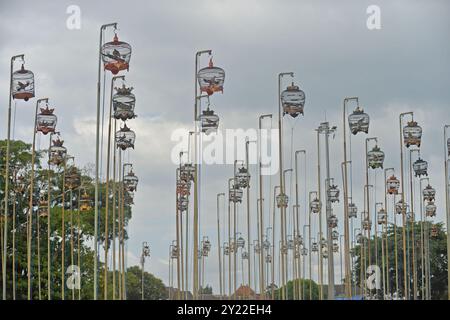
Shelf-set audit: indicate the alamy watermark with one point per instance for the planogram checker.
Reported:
(373, 280)
(226, 146)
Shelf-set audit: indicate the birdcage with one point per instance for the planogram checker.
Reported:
(187, 172)
(211, 79)
(125, 138)
(375, 158)
(266, 244)
(381, 216)
(333, 193)
(448, 146)
(57, 152)
(352, 210)
(85, 202)
(268, 258)
(282, 200)
(174, 252)
(182, 203)
(359, 238)
(128, 198)
(244, 255)
(430, 209)
(323, 242)
(240, 242)
(315, 205)
(209, 121)
(146, 250)
(325, 253)
(358, 121)
(429, 193)
(290, 243)
(205, 253)
(335, 247)
(420, 168)
(304, 251)
(130, 181)
(116, 55)
(22, 84)
(293, 101)
(367, 224)
(335, 235)
(257, 248)
(207, 244)
(314, 247)
(401, 207)
(412, 134)
(72, 178)
(43, 208)
(392, 185)
(46, 121)
(242, 177)
(226, 249)
(124, 102)
(410, 217)
(434, 231)
(332, 221)
(298, 240)
(235, 194)
(183, 187)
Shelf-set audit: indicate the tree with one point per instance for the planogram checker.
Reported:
(154, 288)
(305, 285)
(438, 258)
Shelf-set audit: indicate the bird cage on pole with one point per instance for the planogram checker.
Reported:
(22, 84)
(116, 55)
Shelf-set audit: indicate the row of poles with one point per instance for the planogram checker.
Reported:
(114, 56)
(291, 101)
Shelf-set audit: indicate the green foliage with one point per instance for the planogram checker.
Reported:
(438, 258)
(309, 290)
(78, 227)
(154, 288)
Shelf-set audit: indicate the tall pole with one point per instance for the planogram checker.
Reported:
(196, 181)
(248, 213)
(320, 256)
(218, 244)
(97, 157)
(411, 180)
(30, 207)
(325, 129)
(447, 202)
(346, 215)
(282, 187)
(261, 217)
(8, 142)
(405, 276)
(108, 157)
(424, 265)
(387, 238)
(177, 213)
(296, 220)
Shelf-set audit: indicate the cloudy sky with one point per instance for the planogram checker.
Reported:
(404, 66)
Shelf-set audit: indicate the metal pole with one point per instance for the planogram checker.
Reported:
(282, 189)
(8, 142)
(261, 217)
(196, 181)
(218, 244)
(108, 156)
(97, 157)
(320, 257)
(248, 214)
(405, 276)
(346, 216)
(388, 277)
(412, 223)
(447, 204)
(30, 207)
(297, 223)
